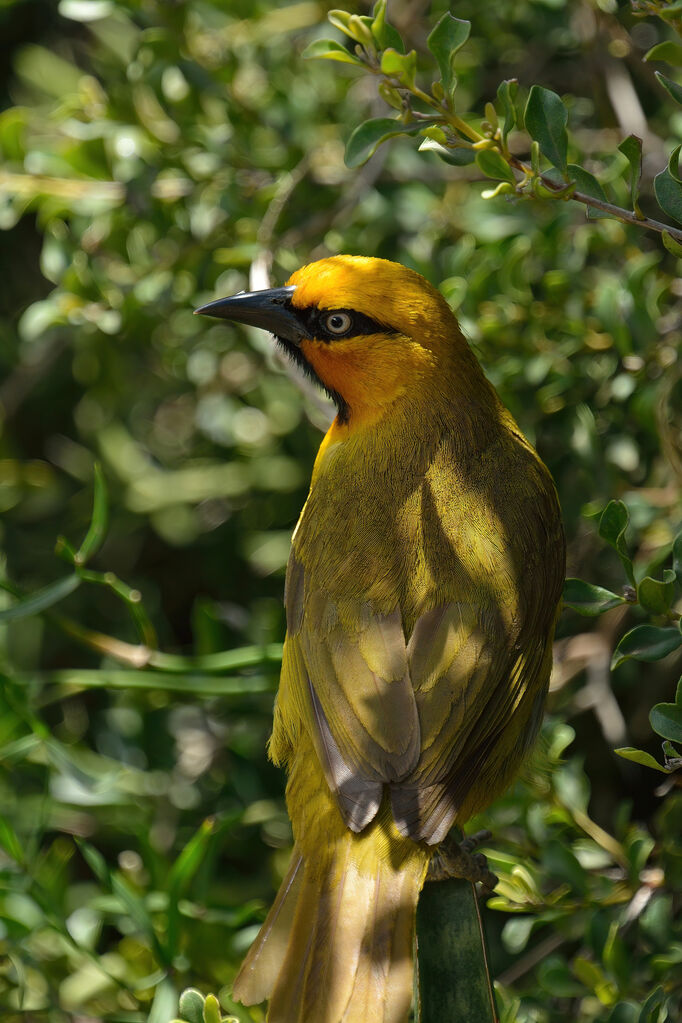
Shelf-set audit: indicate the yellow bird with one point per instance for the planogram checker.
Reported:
(421, 596)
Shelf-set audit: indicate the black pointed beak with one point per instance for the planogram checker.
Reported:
(269, 309)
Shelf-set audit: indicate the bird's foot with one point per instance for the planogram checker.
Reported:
(458, 859)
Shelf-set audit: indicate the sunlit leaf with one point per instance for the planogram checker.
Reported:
(668, 51)
(639, 756)
(329, 49)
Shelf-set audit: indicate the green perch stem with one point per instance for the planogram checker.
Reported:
(452, 977)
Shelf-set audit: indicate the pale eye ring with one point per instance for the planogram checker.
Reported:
(337, 323)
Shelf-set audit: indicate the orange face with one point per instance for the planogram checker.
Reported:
(399, 330)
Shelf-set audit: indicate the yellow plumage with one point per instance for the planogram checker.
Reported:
(421, 597)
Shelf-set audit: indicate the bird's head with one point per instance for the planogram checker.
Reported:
(370, 331)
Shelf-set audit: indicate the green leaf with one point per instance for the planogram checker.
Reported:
(494, 165)
(329, 49)
(98, 523)
(672, 88)
(506, 94)
(651, 1005)
(589, 185)
(165, 1002)
(369, 135)
(10, 842)
(41, 600)
(668, 188)
(588, 599)
(631, 148)
(386, 35)
(677, 557)
(212, 1012)
(668, 51)
(646, 643)
(612, 526)
(449, 35)
(671, 244)
(191, 1006)
(655, 595)
(181, 874)
(666, 721)
(400, 65)
(639, 756)
(546, 118)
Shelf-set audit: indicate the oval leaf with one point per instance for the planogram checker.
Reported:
(400, 65)
(329, 49)
(612, 525)
(657, 595)
(668, 188)
(546, 118)
(588, 185)
(41, 600)
(639, 756)
(668, 51)
(589, 600)
(449, 35)
(506, 94)
(646, 643)
(631, 148)
(369, 135)
(666, 721)
(494, 166)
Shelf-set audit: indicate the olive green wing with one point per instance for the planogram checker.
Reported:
(347, 669)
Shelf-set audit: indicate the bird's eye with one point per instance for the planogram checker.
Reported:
(337, 323)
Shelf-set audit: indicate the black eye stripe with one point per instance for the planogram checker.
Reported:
(315, 320)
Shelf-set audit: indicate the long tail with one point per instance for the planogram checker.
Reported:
(336, 946)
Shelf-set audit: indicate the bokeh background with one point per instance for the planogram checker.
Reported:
(156, 155)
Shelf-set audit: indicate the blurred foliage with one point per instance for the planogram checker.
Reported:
(156, 155)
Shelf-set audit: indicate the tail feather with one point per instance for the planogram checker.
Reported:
(349, 952)
(259, 971)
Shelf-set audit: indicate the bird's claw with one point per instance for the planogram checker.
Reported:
(458, 860)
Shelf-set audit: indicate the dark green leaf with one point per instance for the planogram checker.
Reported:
(631, 148)
(655, 595)
(329, 49)
(589, 600)
(667, 51)
(400, 65)
(367, 136)
(666, 721)
(646, 643)
(449, 35)
(639, 756)
(588, 185)
(506, 94)
(494, 165)
(612, 526)
(672, 88)
(546, 118)
(41, 600)
(98, 523)
(668, 188)
(386, 35)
